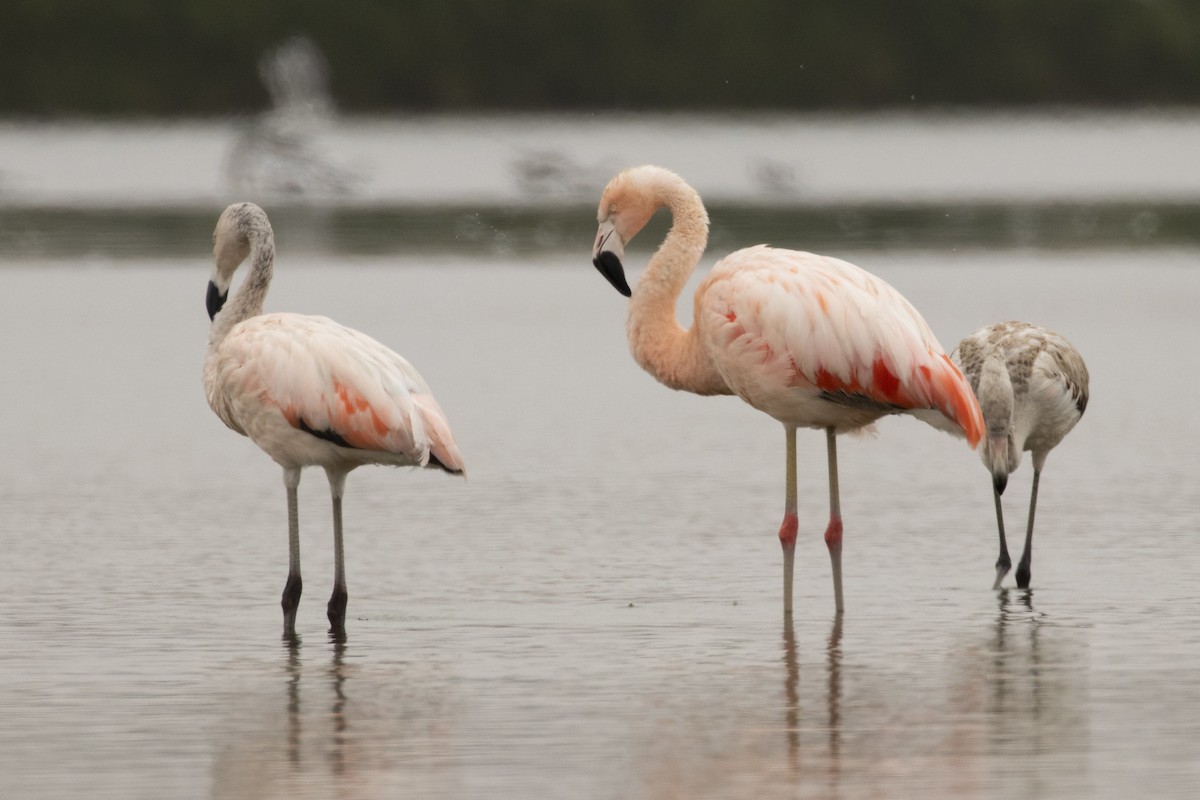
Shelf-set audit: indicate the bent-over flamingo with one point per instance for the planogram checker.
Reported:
(813, 341)
(310, 392)
(1032, 386)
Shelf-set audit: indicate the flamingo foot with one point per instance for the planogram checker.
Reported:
(1023, 575)
(336, 610)
(1000, 573)
(1003, 564)
(291, 601)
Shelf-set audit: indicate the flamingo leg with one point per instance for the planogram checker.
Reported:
(1004, 562)
(790, 525)
(336, 610)
(833, 533)
(1027, 556)
(293, 587)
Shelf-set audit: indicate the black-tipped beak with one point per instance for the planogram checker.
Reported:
(214, 300)
(1000, 482)
(609, 264)
(606, 256)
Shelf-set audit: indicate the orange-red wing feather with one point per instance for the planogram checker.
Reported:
(341, 385)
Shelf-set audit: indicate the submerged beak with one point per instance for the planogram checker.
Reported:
(606, 256)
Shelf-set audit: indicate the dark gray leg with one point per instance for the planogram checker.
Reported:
(1004, 562)
(291, 591)
(337, 601)
(1027, 556)
(336, 610)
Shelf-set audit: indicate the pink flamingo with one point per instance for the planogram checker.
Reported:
(310, 392)
(812, 341)
(1032, 386)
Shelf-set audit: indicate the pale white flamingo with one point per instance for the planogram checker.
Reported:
(310, 392)
(812, 341)
(1032, 386)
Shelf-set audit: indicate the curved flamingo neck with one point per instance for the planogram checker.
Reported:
(248, 301)
(662, 346)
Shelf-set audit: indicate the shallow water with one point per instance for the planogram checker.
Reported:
(596, 611)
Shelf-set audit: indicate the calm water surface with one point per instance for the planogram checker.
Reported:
(595, 613)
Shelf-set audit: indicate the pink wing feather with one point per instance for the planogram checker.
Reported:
(778, 321)
(326, 378)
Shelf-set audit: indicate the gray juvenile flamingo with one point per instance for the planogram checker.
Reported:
(1032, 387)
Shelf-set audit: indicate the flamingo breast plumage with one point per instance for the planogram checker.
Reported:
(310, 392)
(813, 341)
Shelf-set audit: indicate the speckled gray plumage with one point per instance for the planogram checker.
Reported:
(1032, 387)
(1028, 350)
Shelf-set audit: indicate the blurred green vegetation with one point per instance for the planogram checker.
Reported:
(200, 57)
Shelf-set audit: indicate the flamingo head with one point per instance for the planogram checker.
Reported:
(606, 256)
(1001, 455)
(627, 204)
(239, 226)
